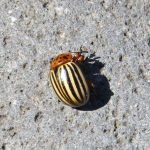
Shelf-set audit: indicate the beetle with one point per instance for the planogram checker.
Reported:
(68, 80)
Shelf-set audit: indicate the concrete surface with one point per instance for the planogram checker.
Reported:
(116, 34)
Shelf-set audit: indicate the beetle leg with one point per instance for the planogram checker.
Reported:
(78, 58)
(90, 84)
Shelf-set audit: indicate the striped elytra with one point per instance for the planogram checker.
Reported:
(68, 81)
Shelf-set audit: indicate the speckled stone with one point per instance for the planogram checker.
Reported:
(116, 35)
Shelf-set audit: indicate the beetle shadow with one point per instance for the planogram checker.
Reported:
(101, 94)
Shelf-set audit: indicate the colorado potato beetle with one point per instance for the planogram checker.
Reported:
(68, 80)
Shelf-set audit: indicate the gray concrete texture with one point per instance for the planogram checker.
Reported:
(116, 34)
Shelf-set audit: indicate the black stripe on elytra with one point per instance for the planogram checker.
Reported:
(80, 79)
(62, 89)
(62, 82)
(56, 87)
(76, 82)
(57, 78)
(71, 86)
(66, 100)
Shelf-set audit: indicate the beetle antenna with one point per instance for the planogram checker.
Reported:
(80, 52)
(83, 51)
